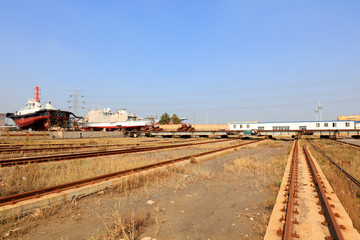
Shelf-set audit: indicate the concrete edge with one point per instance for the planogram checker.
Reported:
(27, 206)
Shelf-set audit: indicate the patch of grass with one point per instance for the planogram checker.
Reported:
(127, 227)
(270, 144)
(13, 227)
(346, 191)
(271, 169)
(202, 173)
(35, 176)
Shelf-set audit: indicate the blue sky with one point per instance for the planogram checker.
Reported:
(227, 60)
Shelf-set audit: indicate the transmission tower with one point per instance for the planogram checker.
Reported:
(76, 101)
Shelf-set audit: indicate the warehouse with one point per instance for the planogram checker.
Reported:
(294, 125)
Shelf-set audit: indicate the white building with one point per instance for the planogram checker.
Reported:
(293, 125)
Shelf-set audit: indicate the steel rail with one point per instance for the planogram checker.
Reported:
(71, 143)
(10, 145)
(354, 180)
(12, 199)
(61, 157)
(14, 150)
(351, 144)
(18, 148)
(334, 227)
(291, 189)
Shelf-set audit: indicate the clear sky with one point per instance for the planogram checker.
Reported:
(227, 60)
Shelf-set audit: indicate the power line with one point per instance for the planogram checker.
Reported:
(76, 101)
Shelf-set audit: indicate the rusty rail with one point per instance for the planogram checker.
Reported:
(62, 157)
(14, 150)
(354, 180)
(62, 146)
(292, 189)
(351, 144)
(289, 208)
(12, 199)
(334, 227)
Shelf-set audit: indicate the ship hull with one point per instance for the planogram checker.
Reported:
(127, 125)
(41, 120)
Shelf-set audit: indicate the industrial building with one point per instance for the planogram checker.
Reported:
(349, 117)
(294, 125)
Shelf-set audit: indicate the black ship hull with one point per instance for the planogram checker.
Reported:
(41, 120)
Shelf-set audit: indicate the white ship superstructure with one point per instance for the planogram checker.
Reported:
(107, 120)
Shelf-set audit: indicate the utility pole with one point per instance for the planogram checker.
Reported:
(76, 101)
(319, 107)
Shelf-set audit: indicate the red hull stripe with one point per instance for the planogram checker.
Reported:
(23, 122)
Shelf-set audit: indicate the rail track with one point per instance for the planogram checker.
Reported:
(348, 175)
(350, 144)
(64, 147)
(63, 157)
(14, 148)
(12, 199)
(306, 205)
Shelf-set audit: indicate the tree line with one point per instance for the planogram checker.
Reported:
(165, 119)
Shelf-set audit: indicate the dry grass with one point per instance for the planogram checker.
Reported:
(128, 227)
(268, 143)
(99, 145)
(94, 141)
(115, 224)
(120, 225)
(271, 170)
(35, 176)
(271, 144)
(222, 144)
(345, 156)
(347, 192)
(201, 173)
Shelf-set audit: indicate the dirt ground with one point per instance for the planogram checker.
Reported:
(200, 201)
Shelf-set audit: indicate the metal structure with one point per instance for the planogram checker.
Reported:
(294, 199)
(292, 189)
(318, 111)
(62, 157)
(12, 199)
(76, 101)
(348, 175)
(334, 228)
(38, 116)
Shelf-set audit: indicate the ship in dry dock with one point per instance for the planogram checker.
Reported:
(122, 120)
(38, 116)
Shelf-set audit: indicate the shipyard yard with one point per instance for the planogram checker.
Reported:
(177, 188)
(114, 175)
(199, 120)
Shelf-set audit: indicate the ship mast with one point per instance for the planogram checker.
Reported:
(37, 99)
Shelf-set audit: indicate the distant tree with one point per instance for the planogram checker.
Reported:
(164, 119)
(175, 119)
